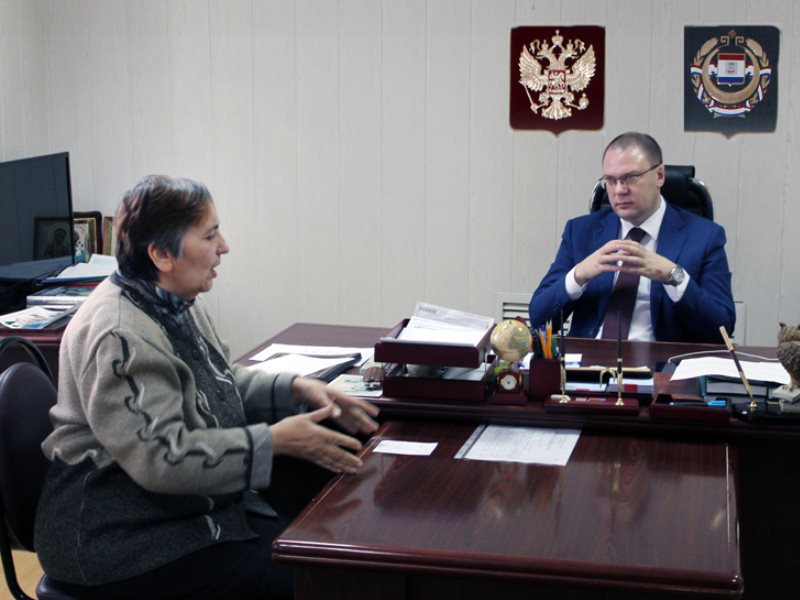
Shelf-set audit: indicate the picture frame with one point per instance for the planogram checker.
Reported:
(109, 237)
(51, 237)
(85, 238)
(98, 225)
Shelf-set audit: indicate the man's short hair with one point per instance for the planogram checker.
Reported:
(646, 143)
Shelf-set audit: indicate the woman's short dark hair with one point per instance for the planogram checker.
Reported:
(158, 210)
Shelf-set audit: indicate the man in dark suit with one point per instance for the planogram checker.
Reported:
(684, 283)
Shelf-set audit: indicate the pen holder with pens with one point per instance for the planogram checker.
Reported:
(544, 378)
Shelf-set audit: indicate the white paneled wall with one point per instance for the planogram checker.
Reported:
(359, 150)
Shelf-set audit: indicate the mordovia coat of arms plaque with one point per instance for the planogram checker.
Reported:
(557, 78)
(731, 78)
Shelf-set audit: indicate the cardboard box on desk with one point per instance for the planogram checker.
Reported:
(459, 359)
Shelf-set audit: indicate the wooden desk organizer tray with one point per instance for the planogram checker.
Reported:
(447, 358)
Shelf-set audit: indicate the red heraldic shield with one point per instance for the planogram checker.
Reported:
(557, 78)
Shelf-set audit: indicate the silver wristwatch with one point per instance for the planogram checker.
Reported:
(676, 276)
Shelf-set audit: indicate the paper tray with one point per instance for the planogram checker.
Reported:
(391, 350)
(395, 383)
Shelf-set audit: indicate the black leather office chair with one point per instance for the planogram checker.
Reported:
(27, 392)
(680, 188)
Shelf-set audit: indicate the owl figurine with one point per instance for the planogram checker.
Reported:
(789, 357)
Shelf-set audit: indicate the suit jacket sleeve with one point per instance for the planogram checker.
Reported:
(707, 301)
(550, 298)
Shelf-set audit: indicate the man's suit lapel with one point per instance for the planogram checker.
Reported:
(671, 238)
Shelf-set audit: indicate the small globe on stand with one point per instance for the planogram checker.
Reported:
(511, 340)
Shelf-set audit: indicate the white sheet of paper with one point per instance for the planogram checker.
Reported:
(585, 386)
(409, 448)
(520, 444)
(316, 351)
(689, 368)
(298, 364)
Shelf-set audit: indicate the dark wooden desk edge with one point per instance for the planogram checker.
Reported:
(590, 575)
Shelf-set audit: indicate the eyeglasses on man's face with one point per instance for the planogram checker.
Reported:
(607, 181)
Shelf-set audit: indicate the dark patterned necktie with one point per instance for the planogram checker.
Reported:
(623, 299)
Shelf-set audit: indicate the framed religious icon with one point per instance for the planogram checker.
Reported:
(85, 238)
(51, 238)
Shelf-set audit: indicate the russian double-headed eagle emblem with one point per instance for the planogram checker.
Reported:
(570, 69)
(730, 75)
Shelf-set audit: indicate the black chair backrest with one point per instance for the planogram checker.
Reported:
(27, 392)
(680, 188)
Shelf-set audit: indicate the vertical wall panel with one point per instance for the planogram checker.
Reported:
(403, 157)
(318, 180)
(497, 263)
(189, 57)
(151, 85)
(447, 154)
(109, 96)
(535, 175)
(360, 139)
(31, 95)
(233, 172)
(69, 114)
(274, 281)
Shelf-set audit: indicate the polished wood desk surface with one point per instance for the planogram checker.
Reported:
(660, 516)
(768, 473)
(594, 352)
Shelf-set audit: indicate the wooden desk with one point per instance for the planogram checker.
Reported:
(768, 474)
(594, 352)
(627, 517)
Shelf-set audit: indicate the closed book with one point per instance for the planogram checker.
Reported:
(60, 296)
(723, 386)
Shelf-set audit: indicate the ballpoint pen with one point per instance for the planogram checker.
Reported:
(712, 403)
(739, 368)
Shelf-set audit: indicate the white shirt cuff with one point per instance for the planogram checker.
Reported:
(574, 290)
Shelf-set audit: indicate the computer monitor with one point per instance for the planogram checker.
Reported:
(36, 232)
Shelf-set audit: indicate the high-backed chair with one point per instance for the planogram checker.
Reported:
(681, 188)
(27, 392)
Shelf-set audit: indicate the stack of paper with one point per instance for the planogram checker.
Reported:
(431, 323)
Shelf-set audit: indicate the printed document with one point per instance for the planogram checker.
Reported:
(520, 444)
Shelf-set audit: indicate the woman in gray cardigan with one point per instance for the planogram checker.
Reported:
(158, 439)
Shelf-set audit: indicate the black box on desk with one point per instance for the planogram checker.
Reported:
(459, 358)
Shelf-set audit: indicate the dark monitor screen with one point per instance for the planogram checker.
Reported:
(36, 235)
